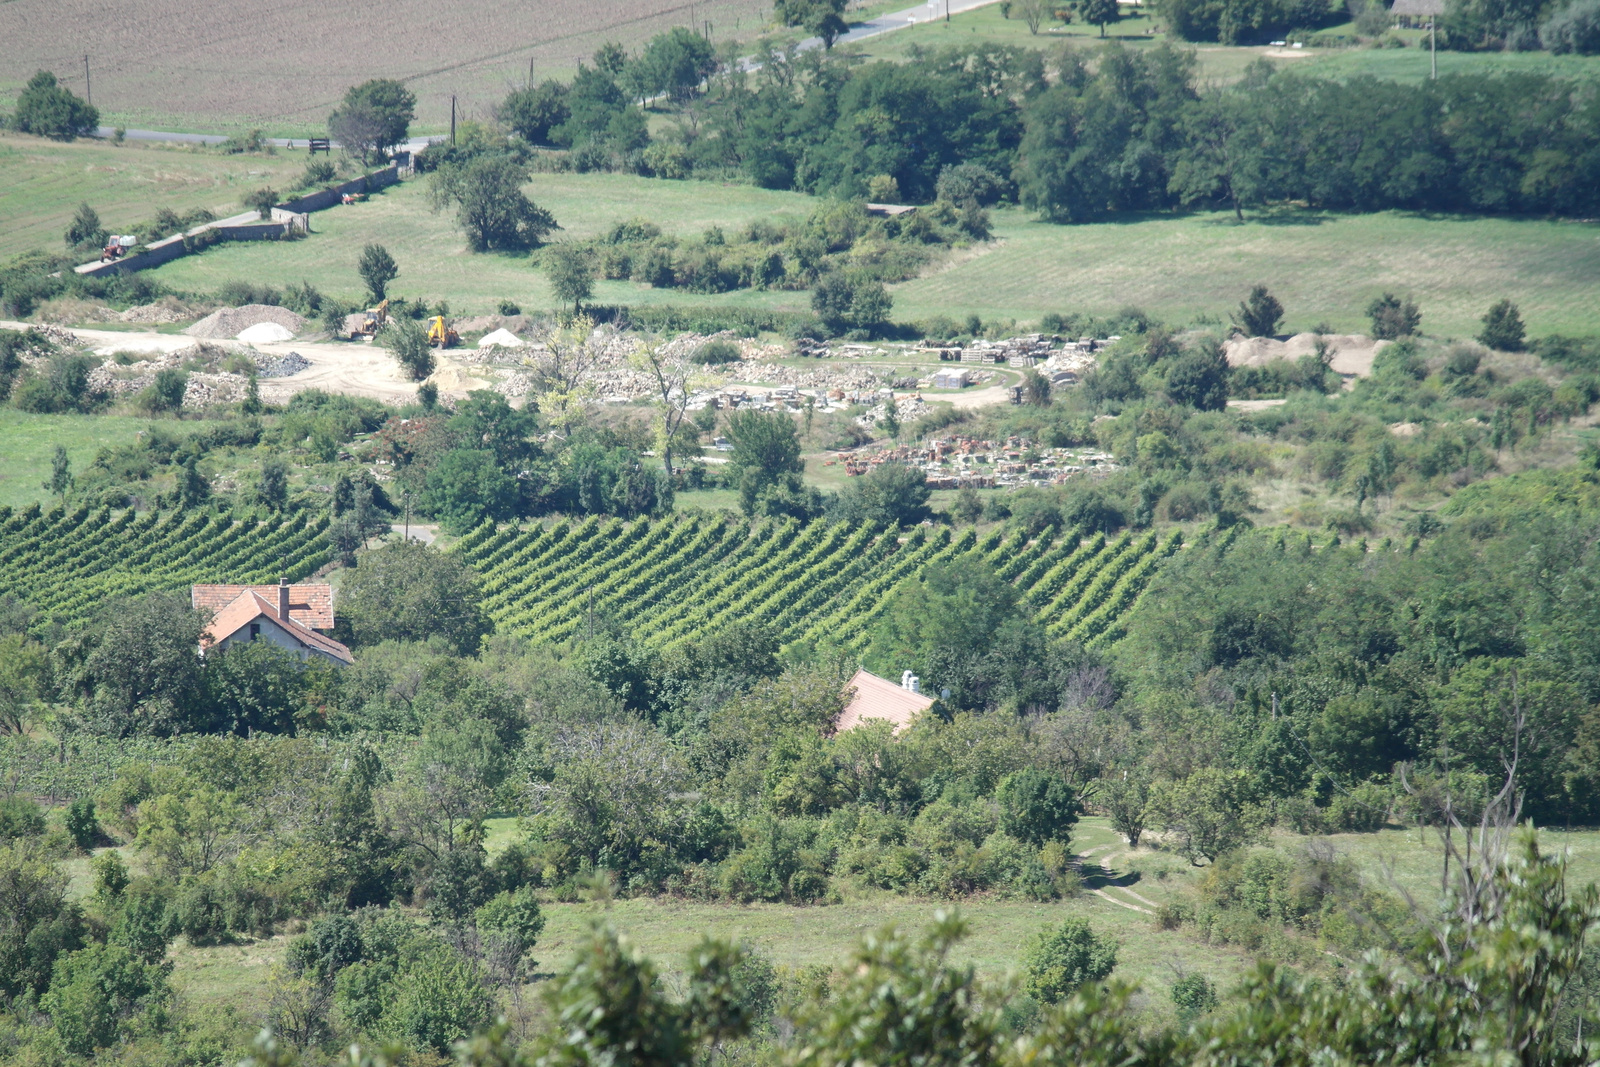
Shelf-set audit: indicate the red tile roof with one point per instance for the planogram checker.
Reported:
(879, 698)
(310, 604)
(251, 605)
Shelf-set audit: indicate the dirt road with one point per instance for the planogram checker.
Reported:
(357, 369)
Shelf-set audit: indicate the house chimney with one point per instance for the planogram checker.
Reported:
(916, 684)
(283, 598)
(905, 679)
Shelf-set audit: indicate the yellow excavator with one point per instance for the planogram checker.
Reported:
(440, 335)
(372, 320)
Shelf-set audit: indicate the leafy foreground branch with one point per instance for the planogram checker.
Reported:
(1489, 984)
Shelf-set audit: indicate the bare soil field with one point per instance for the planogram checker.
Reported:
(165, 64)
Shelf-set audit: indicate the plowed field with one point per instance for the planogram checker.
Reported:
(209, 67)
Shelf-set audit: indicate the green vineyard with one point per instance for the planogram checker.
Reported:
(67, 564)
(666, 580)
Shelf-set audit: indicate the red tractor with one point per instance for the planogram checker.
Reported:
(117, 247)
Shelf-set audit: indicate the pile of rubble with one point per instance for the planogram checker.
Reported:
(59, 335)
(159, 314)
(960, 462)
(203, 390)
(203, 362)
(280, 366)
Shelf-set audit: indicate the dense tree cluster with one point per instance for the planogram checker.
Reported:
(1086, 133)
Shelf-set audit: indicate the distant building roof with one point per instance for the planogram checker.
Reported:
(310, 604)
(890, 209)
(1417, 7)
(251, 605)
(879, 698)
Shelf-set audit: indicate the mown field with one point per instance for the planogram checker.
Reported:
(1181, 267)
(43, 182)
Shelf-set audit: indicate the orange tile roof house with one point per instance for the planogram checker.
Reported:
(283, 614)
(872, 697)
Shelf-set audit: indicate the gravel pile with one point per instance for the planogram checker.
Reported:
(281, 366)
(60, 335)
(228, 323)
(153, 314)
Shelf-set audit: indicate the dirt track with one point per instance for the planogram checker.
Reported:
(356, 369)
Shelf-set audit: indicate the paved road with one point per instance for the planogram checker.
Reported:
(416, 144)
(899, 20)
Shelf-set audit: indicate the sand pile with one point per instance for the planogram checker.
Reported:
(500, 337)
(1352, 352)
(228, 323)
(265, 332)
(517, 324)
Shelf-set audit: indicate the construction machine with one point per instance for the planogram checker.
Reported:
(441, 335)
(372, 320)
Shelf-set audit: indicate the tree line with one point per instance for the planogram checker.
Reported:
(1081, 134)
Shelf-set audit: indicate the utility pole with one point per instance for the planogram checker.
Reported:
(88, 88)
(1433, 49)
(530, 72)
(452, 120)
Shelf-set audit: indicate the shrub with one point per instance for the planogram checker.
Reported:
(1066, 958)
(970, 181)
(19, 817)
(845, 301)
(1502, 328)
(1393, 318)
(714, 352)
(1259, 315)
(96, 991)
(408, 342)
(85, 228)
(1193, 996)
(81, 824)
(317, 172)
(1575, 29)
(166, 391)
(506, 307)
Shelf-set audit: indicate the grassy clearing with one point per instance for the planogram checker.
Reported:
(1325, 268)
(28, 444)
(1182, 267)
(434, 261)
(235, 977)
(43, 182)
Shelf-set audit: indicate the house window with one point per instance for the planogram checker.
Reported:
(255, 630)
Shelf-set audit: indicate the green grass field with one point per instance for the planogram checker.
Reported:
(28, 444)
(43, 182)
(434, 262)
(234, 977)
(1182, 267)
